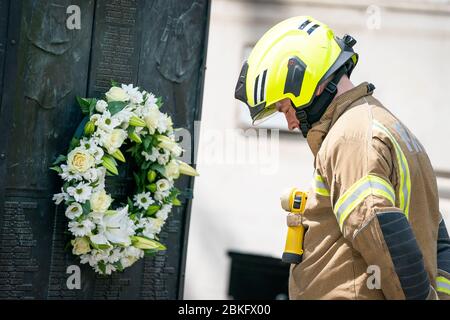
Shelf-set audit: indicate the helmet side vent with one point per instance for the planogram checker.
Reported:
(260, 88)
(295, 74)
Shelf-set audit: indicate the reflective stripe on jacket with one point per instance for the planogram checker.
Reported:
(373, 200)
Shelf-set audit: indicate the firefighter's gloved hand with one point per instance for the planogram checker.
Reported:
(294, 220)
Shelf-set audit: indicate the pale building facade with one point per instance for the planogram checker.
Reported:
(404, 47)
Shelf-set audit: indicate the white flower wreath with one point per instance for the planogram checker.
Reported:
(113, 239)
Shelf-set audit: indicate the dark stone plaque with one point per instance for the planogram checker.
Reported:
(159, 45)
(4, 7)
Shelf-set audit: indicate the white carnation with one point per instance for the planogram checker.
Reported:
(123, 117)
(151, 118)
(152, 227)
(164, 123)
(152, 156)
(91, 175)
(68, 175)
(134, 93)
(109, 268)
(151, 100)
(115, 255)
(163, 213)
(163, 158)
(60, 197)
(101, 106)
(101, 173)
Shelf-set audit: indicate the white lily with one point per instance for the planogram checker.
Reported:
(169, 144)
(114, 227)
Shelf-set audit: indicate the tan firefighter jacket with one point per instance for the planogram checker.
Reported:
(372, 218)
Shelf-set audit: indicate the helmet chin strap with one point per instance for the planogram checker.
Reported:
(312, 113)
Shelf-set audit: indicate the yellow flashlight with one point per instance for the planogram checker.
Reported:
(294, 201)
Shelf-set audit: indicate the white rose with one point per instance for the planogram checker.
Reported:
(101, 106)
(172, 170)
(80, 246)
(116, 94)
(79, 160)
(151, 118)
(74, 211)
(100, 201)
(114, 140)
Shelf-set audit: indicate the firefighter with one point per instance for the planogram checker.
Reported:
(372, 220)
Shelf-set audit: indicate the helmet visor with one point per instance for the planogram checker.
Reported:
(262, 115)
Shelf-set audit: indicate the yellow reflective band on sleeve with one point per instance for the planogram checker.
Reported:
(364, 187)
(319, 185)
(443, 285)
(405, 178)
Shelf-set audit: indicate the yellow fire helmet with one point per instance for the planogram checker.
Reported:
(290, 61)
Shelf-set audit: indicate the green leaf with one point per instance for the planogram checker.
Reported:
(67, 246)
(150, 252)
(159, 102)
(137, 179)
(158, 168)
(94, 184)
(61, 158)
(92, 106)
(173, 197)
(131, 129)
(146, 165)
(147, 142)
(151, 210)
(116, 106)
(119, 266)
(130, 204)
(84, 105)
(56, 168)
(73, 144)
(86, 207)
(114, 83)
(102, 266)
(176, 202)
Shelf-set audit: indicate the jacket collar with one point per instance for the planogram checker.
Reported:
(338, 106)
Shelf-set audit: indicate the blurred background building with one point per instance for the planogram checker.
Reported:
(404, 49)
